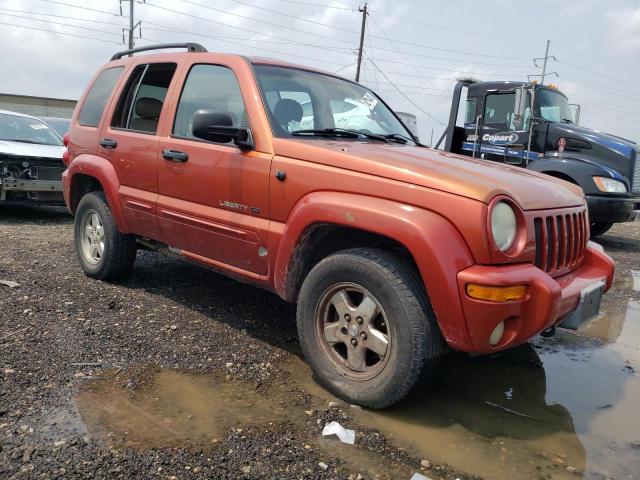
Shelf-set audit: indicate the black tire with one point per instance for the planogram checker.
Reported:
(119, 252)
(416, 344)
(600, 228)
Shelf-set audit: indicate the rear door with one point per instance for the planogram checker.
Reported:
(213, 199)
(130, 141)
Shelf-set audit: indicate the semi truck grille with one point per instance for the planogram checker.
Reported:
(560, 241)
(635, 181)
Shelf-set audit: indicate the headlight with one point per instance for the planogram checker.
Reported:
(503, 225)
(610, 185)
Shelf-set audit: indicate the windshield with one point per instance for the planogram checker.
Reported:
(554, 107)
(14, 128)
(60, 125)
(300, 100)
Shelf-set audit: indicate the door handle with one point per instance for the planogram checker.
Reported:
(108, 143)
(175, 156)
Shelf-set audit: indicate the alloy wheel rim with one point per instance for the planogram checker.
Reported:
(353, 330)
(92, 237)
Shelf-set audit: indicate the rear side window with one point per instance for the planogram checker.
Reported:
(142, 99)
(98, 97)
(209, 87)
(470, 114)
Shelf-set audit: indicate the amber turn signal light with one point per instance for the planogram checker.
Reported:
(497, 294)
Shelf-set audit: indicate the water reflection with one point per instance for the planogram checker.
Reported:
(565, 404)
(489, 416)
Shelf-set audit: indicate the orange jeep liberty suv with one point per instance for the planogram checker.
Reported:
(309, 185)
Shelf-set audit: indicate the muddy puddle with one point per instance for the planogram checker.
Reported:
(565, 407)
(173, 409)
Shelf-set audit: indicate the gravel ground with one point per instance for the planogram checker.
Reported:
(59, 330)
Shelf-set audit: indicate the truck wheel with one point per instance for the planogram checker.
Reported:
(366, 327)
(104, 253)
(599, 228)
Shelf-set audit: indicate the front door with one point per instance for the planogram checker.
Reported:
(213, 200)
(500, 137)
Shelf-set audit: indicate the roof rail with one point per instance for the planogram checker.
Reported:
(191, 47)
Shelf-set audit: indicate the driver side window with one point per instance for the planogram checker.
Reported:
(498, 110)
(209, 87)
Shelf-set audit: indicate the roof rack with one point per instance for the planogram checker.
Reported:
(191, 47)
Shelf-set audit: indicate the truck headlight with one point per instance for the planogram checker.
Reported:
(503, 225)
(606, 184)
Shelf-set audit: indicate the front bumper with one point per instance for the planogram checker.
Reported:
(547, 303)
(611, 209)
(34, 189)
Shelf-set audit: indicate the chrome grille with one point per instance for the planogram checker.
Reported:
(560, 240)
(635, 181)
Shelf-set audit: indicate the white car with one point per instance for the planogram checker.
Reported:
(30, 160)
(347, 113)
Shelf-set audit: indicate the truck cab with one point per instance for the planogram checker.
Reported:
(533, 126)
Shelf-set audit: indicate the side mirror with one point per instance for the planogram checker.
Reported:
(520, 104)
(218, 127)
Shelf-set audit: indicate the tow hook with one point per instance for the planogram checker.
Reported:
(549, 332)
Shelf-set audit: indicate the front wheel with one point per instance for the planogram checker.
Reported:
(600, 228)
(103, 252)
(366, 327)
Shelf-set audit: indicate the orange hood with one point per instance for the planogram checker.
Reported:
(472, 178)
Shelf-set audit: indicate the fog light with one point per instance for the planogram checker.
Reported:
(496, 335)
(497, 294)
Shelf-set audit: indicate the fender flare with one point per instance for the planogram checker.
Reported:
(103, 171)
(437, 247)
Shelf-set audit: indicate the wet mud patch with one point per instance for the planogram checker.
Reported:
(171, 409)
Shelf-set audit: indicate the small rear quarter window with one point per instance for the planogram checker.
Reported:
(98, 95)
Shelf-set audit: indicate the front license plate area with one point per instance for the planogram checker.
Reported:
(588, 306)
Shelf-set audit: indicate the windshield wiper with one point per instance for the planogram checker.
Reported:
(340, 132)
(567, 120)
(398, 137)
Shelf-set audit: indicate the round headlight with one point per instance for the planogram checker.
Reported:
(503, 225)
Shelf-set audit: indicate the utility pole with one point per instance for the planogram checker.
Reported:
(364, 24)
(544, 63)
(131, 3)
(132, 23)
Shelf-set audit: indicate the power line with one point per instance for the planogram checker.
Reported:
(429, 67)
(340, 6)
(453, 60)
(578, 67)
(405, 96)
(276, 12)
(209, 20)
(60, 23)
(62, 16)
(246, 17)
(224, 40)
(476, 54)
(613, 108)
(60, 33)
(80, 7)
(455, 30)
(603, 88)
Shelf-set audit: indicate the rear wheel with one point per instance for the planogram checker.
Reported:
(103, 252)
(366, 327)
(600, 228)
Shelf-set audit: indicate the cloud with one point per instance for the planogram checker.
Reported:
(624, 29)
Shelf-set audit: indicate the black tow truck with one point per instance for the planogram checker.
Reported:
(532, 126)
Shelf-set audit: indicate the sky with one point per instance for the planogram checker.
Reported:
(413, 50)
